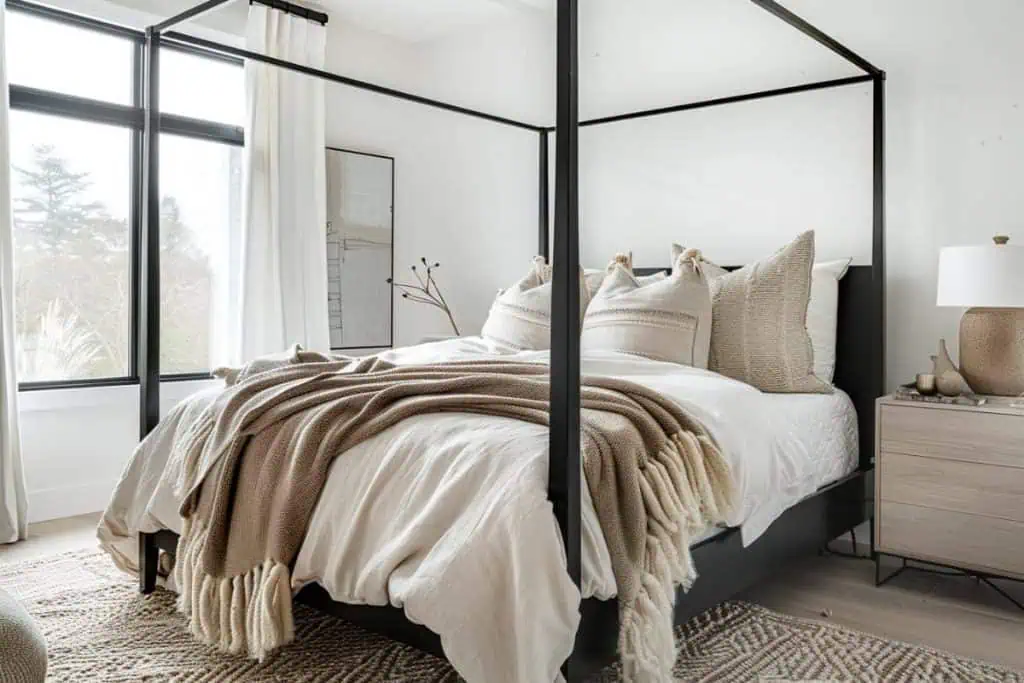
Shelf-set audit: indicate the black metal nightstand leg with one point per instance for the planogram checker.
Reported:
(997, 589)
(879, 581)
(871, 538)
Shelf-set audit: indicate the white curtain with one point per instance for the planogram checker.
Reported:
(278, 294)
(13, 504)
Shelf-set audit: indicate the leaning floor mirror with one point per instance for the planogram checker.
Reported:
(360, 231)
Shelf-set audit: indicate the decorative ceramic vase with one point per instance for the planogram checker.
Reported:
(948, 379)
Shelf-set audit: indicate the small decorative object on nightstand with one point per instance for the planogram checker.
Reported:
(948, 379)
(949, 486)
(990, 280)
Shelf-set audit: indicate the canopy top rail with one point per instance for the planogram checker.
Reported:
(182, 40)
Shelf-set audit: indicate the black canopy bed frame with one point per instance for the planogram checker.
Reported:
(725, 566)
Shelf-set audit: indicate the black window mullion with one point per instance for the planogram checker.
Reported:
(183, 126)
(25, 98)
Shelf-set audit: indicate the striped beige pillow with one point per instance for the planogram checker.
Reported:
(657, 317)
(520, 316)
(759, 332)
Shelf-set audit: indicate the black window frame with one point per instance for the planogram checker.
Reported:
(35, 100)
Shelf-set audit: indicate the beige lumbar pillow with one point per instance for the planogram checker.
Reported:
(660, 317)
(759, 334)
(520, 316)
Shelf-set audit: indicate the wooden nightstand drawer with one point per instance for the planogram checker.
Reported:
(973, 488)
(987, 544)
(968, 435)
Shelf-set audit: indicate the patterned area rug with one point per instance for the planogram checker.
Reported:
(100, 629)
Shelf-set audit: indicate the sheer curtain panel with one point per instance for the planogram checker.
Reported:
(13, 503)
(278, 292)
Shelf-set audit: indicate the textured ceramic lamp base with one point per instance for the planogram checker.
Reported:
(992, 350)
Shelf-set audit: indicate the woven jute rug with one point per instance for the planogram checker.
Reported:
(99, 628)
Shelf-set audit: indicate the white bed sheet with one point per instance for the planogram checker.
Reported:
(366, 548)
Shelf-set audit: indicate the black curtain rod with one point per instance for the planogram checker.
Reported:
(297, 10)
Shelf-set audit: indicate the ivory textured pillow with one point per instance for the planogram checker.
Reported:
(759, 331)
(823, 314)
(657, 317)
(520, 316)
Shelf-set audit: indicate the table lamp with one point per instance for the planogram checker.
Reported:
(989, 280)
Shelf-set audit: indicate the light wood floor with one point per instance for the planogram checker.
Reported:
(950, 613)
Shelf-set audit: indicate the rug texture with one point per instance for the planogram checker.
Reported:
(98, 628)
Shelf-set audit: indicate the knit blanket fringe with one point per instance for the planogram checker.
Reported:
(250, 613)
(669, 481)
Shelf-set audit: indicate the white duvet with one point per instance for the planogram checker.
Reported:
(447, 515)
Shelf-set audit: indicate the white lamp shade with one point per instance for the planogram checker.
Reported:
(986, 276)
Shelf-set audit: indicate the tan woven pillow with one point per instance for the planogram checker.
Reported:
(759, 334)
(520, 316)
(657, 317)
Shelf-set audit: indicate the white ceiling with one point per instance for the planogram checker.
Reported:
(423, 20)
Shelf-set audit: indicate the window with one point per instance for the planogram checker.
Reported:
(75, 172)
(202, 88)
(49, 55)
(201, 197)
(71, 196)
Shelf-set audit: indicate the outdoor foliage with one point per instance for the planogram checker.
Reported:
(73, 280)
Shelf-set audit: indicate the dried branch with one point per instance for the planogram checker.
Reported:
(427, 291)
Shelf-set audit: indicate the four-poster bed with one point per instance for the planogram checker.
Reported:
(725, 565)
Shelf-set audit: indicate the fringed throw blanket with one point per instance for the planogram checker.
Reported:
(257, 459)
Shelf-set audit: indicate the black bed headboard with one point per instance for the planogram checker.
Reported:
(860, 360)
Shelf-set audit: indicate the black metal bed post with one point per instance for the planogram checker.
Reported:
(564, 437)
(878, 224)
(148, 338)
(543, 198)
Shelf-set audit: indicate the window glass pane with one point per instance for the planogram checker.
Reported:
(71, 190)
(49, 55)
(201, 203)
(202, 88)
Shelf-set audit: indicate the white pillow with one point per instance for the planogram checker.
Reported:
(520, 316)
(823, 314)
(661, 317)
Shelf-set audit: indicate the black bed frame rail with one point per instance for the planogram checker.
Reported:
(861, 348)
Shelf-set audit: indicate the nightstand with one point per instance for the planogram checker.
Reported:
(949, 486)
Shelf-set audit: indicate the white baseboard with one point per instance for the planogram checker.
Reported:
(67, 501)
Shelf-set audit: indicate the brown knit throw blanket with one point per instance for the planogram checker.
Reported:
(256, 462)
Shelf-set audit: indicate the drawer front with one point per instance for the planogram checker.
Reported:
(956, 434)
(987, 544)
(973, 488)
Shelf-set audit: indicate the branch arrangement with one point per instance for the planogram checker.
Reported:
(427, 291)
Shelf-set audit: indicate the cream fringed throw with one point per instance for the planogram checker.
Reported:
(256, 462)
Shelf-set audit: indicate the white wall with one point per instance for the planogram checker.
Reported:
(955, 143)
(465, 189)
